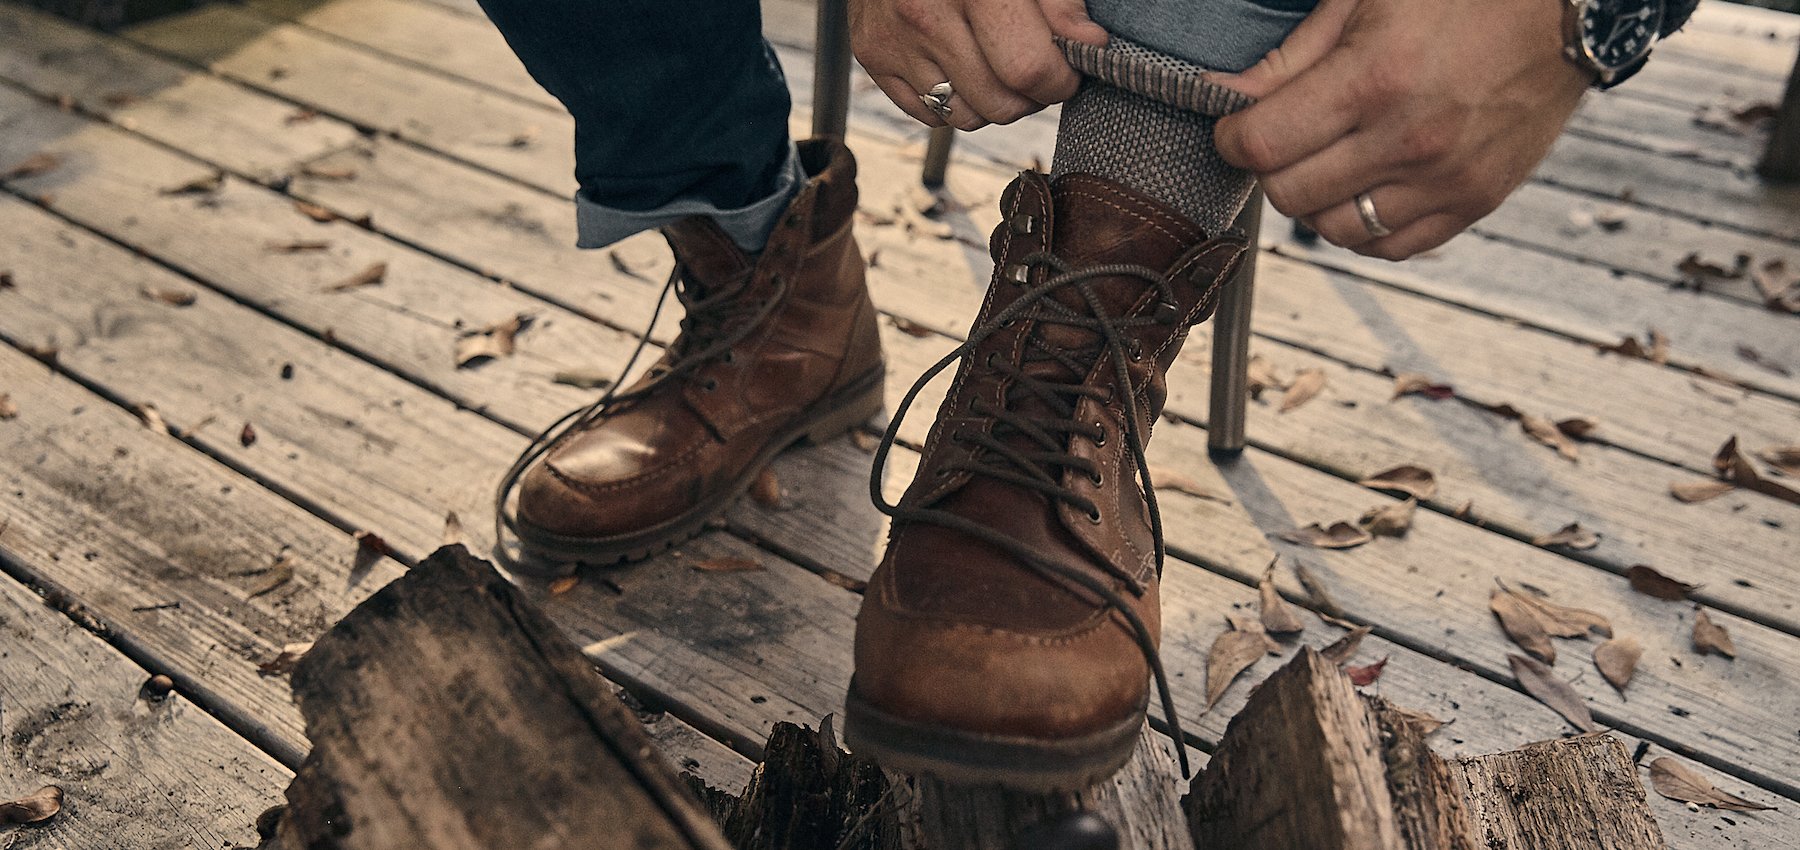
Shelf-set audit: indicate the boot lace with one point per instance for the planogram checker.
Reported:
(712, 322)
(1047, 432)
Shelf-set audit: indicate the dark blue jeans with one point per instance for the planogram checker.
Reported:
(680, 108)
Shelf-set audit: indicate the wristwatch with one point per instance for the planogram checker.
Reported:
(1611, 38)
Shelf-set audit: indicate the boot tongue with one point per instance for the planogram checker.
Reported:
(713, 261)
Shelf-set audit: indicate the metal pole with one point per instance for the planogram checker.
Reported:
(831, 70)
(1781, 160)
(937, 156)
(1231, 344)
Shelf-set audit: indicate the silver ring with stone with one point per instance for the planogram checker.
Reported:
(938, 99)
(1365, 207)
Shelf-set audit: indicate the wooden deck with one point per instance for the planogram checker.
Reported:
(201, 552)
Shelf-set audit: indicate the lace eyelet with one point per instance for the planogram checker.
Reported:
(728, 356)
(1019, 273)
(1094, 516)
(1100, 441)
(1023, 224)
(988, 361)
(1167, 313)
(709, 385)
(1096, 479)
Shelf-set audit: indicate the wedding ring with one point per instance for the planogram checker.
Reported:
(1365, 207)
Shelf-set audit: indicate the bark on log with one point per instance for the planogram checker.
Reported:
(1560, 795)
(447, 713)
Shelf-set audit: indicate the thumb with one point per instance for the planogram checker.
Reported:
(1318, 33)
(1069, 19)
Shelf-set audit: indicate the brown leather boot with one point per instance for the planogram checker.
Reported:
(774, 348)
(1009, 636)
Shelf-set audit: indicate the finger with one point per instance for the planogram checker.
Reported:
(974, 80)
(1423, 235)
(1398, 208)
(907, 98)
(1015, 39)
(1069, 19)
(1317, 34)
(1349, 165)
(1296, 121)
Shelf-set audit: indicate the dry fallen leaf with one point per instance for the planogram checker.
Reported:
(172, 297)
(1307, 384)
(1755, 358)
(1693, 492)
(1648, 581)
(1168, 479)
(854, 585)
(1710, 637)
(371, 543)
(1260, 375)
(1522, 624)
(1393, 519)
(284, 661)
(1677, 781)
(1544, 430)
(1572, 535)
(586, 379)
(6, 280)
(494, 341)
(909, 327)
(1566, 622)
(279, 573)
(8, 409)
(453, 530)
(1735, 466)
(1344, 648)
(767, 489)
(1778, 285)
(1415, 383)
(1366, 674)
(371, 276)
(1245, 623)
(1425, 723)
(563, 584)
(1578, 427)
(1341, 535)
(297, 246)
(1413, 480)
(31, 166)
(203, 185)
(1617, 660)
(1320, 595)
(1232, 653)
(1786, 459)
(864, 441)
(247, 436)
(42, 805)
(1544, 685)
(328, 172)
(728, 565)
(315, 212)
(1697, 273)
(1277, 617)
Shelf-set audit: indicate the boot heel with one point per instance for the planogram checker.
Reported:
(855, 405)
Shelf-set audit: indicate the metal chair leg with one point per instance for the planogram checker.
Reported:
(831, 70)
(1231, 344)
(937, 156)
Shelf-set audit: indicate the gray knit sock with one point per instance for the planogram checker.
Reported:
(1148, 146)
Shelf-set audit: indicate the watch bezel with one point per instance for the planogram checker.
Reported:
(1579, 49)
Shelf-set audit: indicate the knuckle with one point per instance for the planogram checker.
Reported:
(1386, 82)
(1256, 151)
(914, 13)
(1427, 141)
(1281, 197)
(1028, 74)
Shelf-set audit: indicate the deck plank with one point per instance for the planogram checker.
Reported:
(136, 773)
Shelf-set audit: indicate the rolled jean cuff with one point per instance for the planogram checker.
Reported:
(598, 226)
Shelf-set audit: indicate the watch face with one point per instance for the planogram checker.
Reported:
(1617, 33)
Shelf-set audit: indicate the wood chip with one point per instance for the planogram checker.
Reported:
(1693, 492)
(1783, 458)
(337, 173)
(492, 342)
(1417, 383)
(1677, 781)
(1522, 625)
(6, 280)
(586, 379)
(563, 584)
(284, 661)
(1544, 686)
(1572, 536)
(1578, 427)
(1277, 617)
(1617, 660)
(1710, 637)
(766, 491)
(1544, 430)
(147, 414)
(1646, 580)
(371, 276)
(247, 436)
(1416, 481)
(1168, 479)
(854, 585)
(1307, 384)
(315, 212)
(909, 327)
(1232, 653)
(298, 246)
(864, 441)
(31, 166)
(203, 185)
(1778, 285)
(728, 565)
(1393, 519)
(1341, 535)
(279, 573)
(1260, 375)
(42, 805)
(1735, 466)
(1344, 648)
(1422, 721)
(1366, 674)
(8, 408)
(172, 297)
(453, 531)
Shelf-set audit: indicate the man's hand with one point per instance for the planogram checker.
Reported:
(996, 54)
(1437, 109)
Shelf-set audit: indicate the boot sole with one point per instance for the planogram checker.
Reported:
(974, 758)
(549, 555)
